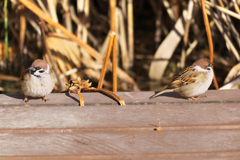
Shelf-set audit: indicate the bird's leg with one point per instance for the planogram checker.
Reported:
(193, 98)
(44, 98)
(196, 98)
(25, 99)
(201, 96)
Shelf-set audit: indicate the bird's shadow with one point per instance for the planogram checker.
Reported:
(169, 94)
(21, 96)
(16, 96)
(74, 98)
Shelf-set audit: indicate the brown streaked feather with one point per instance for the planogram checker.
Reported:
(187, 76)
(23, 74)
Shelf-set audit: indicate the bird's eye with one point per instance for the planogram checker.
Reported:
(37, 68)
(208, 68)
(41, 71)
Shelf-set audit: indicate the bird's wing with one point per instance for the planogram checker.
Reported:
(186, 77)
(24, 74)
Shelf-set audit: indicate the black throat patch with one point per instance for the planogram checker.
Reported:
(36, 76)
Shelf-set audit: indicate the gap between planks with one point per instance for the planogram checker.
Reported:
(220, 154)
(121, 129)
(128, 104)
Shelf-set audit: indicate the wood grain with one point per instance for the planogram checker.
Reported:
(60, 129)
(132, 116)
(131, 98)
(123, 143)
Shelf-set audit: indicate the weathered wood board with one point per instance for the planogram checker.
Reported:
(102, 129)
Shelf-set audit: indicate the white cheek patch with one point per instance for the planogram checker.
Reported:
(48, 69)
(39, 72)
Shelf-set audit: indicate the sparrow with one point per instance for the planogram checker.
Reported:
(192, 81)
(37, 80)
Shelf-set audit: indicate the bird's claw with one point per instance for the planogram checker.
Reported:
(44, 99)
(196, 98)
(25, 99)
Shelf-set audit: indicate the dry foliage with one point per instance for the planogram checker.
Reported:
(154, 39)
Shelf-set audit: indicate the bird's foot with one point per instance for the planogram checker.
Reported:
(193, 99)
(25, 99)
(196, 98)
(44, 98)
(201, 96)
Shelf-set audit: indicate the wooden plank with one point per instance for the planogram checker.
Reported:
(172, 116)
(234, 155)
(195, 156)
(168, 144)
(60, 129)
(129, 97)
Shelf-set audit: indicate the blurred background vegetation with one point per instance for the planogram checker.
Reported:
(155, 40)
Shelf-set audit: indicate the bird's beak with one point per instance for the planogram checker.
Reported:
(31, 70)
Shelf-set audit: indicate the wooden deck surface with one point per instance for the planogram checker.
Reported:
(102, 129)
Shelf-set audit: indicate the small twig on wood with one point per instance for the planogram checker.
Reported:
(80, 98)
(76, 86)
(107, 92)
(159, 126)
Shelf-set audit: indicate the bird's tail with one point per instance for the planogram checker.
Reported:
(159, 93)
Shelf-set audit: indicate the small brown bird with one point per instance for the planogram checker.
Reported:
(192, 81)
(37, 80)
